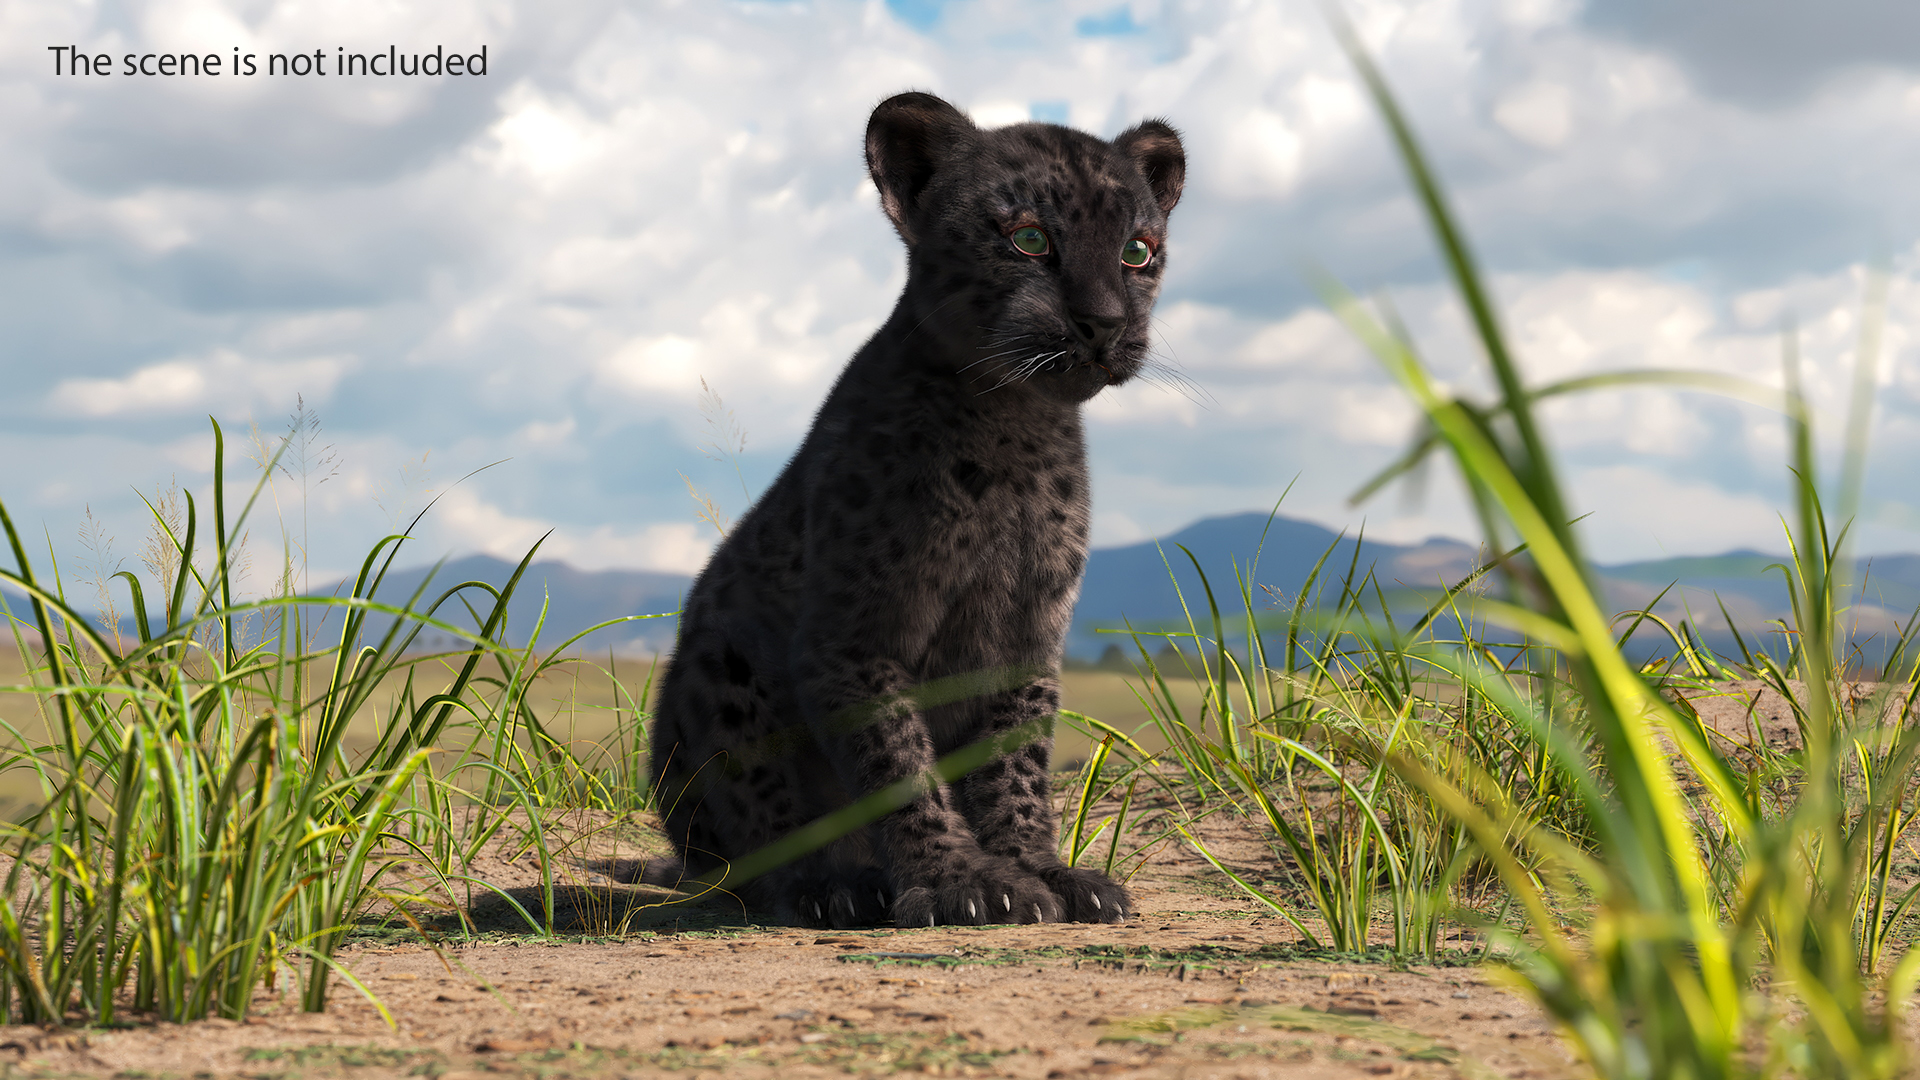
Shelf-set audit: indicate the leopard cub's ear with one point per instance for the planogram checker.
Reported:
(1155, 147)
(907, 137)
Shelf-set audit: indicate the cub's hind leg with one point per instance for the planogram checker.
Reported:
(725, 773)
(733, 781)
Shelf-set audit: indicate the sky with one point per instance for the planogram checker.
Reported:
(617, 270)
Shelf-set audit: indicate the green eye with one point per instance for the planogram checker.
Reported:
(1029, 240)
(1136, 253)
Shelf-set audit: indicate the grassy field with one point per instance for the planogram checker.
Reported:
(588, 706)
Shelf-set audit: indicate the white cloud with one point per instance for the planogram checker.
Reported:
(1539, 113)
(545, 139)
(1264, 156)
(1311, 338)
(993, 114)
(225, 381)
(668, 362)
(548, 433)
(471, 523)
(1642, 513)
(1116, 529)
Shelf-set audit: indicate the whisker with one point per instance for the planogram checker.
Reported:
(1166, 372)
(1167, 377)
(995, 356)
(1033, 367)
(931, 314)
(1021, 371)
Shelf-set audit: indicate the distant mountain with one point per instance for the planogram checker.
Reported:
(1890, 582)
(1273, 556)
(1135, 584)
(574, 600)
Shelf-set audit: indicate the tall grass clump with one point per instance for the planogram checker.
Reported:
(203, 828)
(1298, 721)
(1722, 933)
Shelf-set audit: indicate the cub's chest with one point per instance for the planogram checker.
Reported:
(946, 460)
(1020, 498)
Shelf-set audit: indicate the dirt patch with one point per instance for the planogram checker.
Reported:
(1178, 994)
(1750, 714)
(1194, 986)
(779, 1000)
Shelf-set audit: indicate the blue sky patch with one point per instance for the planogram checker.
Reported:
(919, 14)
(1050, 112)
(1112, 24)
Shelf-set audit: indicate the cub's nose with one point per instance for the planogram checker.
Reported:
(1096, 332)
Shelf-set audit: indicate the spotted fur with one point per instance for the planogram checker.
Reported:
(932, 527)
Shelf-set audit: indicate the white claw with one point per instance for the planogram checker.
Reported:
(971, 913)
(929, 918)
(817, 912)
(880, 896)
(1007, 900)
(1095, 897)
(1038, 916)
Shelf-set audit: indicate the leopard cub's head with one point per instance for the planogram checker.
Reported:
(1034, 251)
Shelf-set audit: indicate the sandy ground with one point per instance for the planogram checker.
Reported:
(1751, 712)
(782, 1003)
(1193, 986)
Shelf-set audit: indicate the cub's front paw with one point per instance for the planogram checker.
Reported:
(981, 895)
(843, 902)
(1088, 895)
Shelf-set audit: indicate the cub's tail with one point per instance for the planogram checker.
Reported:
(669, 871)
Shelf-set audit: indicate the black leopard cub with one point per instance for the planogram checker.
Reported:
(928, 537)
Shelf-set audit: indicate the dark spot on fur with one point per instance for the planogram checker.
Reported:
(739, 672)
(971, 477)
(857, 493)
